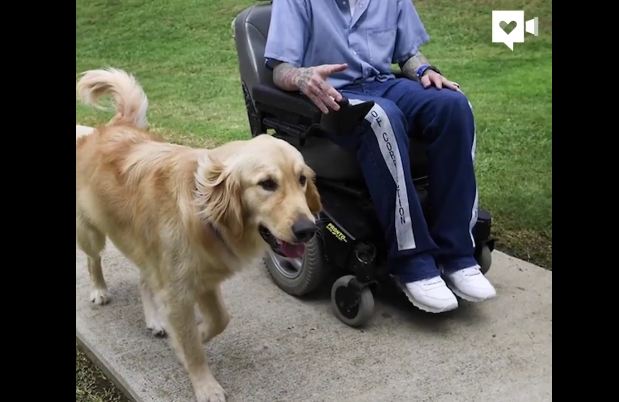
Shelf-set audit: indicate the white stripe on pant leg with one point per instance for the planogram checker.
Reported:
(474, 215)
(474, 134)
(379, 121)
(475, 211)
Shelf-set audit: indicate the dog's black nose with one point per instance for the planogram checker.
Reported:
(303, 230)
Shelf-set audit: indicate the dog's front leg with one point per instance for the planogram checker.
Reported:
(215, 318)
(186, 341)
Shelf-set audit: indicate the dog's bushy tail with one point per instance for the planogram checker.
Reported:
(129, 98)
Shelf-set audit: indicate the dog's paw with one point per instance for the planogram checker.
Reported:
(99, 297)
(158, 330)
(210, 391)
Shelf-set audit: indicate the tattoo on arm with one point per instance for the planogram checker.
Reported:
(284, 76)
(290, 78)
(409, 68)
(302, 78)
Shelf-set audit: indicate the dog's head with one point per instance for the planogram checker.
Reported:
(263, 186)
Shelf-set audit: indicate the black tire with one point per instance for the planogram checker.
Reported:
(485, 259)
(299, 276)
(351, 306)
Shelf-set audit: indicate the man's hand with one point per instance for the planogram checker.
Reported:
(431, 77)
(312, 82)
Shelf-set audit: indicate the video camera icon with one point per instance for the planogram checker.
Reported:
(509, 26)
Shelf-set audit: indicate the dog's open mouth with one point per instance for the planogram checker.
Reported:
(285, 249)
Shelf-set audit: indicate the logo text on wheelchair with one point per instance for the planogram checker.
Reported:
(336, 232)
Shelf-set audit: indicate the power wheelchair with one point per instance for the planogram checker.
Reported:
(349, 240)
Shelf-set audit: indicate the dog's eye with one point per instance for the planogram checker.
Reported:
(302, 180)
(268, 184)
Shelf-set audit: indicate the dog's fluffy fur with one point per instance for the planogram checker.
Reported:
(188, 218)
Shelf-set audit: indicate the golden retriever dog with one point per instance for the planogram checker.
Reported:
(187, 218)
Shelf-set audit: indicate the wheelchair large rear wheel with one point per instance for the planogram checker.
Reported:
(298, 276)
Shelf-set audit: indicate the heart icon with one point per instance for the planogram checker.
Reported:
(508, 27)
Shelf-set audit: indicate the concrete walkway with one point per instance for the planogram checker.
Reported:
(281, 348)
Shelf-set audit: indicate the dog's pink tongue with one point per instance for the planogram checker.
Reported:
(293, 250)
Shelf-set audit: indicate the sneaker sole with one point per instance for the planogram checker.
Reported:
(423, 306)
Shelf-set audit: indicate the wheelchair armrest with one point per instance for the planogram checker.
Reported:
(277, 101)
(284, 105)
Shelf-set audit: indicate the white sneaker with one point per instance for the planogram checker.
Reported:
(470, 284)
(431, 295)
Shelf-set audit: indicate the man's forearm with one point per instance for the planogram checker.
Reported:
(290, 78)
(312, 82)
(409, 68)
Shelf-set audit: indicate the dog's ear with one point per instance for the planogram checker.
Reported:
(219, 193)
(311, 192)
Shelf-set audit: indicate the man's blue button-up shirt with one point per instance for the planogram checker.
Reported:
(307, 33)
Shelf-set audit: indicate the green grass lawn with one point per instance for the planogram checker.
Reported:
(183, 54)
(91, 384)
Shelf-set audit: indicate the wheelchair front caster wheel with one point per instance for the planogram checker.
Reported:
(485, 259)
(352, 301)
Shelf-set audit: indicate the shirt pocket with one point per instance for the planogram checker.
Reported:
(381, 43)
